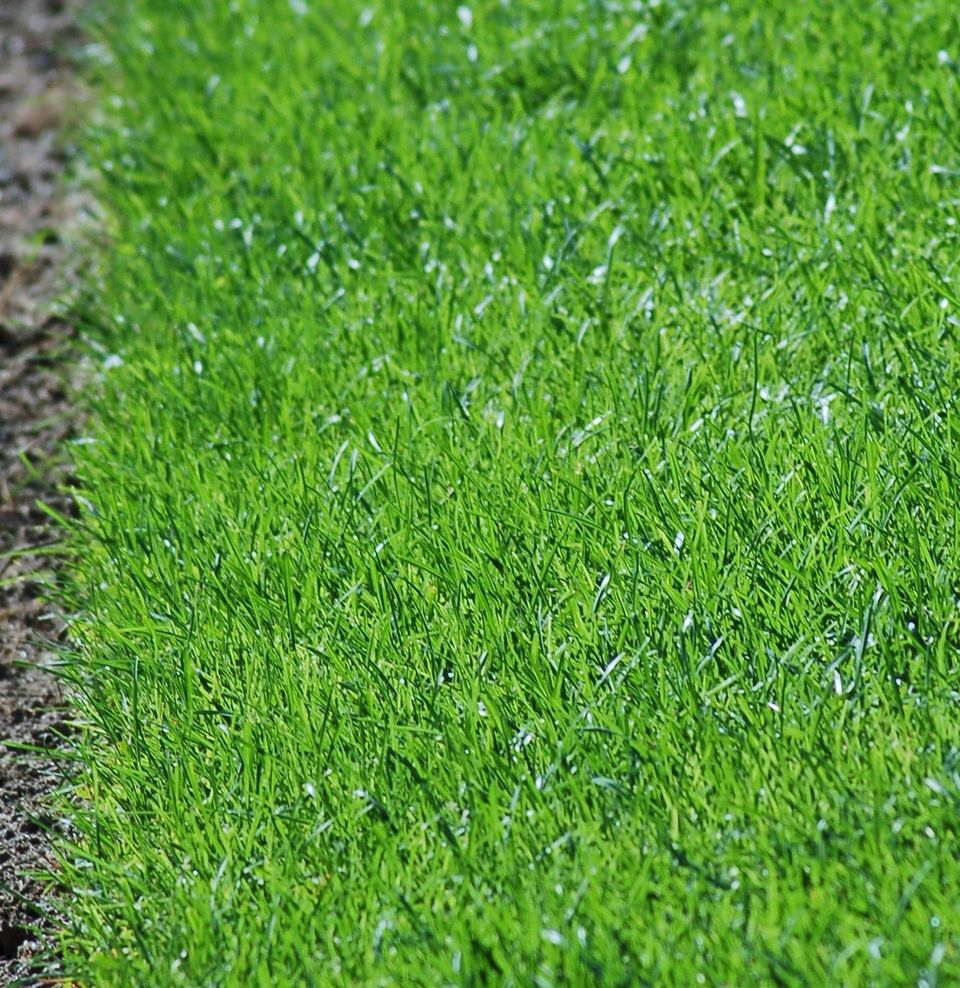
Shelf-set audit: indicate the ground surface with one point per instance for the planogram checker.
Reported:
(34, 419)
(519, 539)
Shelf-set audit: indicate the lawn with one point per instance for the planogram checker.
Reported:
(519, 533)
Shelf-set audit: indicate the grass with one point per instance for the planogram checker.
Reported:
(519, 535)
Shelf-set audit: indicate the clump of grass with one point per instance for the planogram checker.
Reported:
(520, 536)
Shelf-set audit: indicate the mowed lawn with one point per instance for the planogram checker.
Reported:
(520, 537)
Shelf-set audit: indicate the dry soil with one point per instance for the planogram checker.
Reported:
(37, 98)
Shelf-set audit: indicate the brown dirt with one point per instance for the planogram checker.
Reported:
(37, 96)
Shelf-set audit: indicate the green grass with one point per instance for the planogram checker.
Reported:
(520, 544)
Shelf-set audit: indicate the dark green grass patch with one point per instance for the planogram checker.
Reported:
(520, 529)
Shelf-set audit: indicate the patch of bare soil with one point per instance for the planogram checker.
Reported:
(36, 269)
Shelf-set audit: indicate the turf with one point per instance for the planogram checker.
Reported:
(519, 535)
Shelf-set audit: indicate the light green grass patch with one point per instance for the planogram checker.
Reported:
(521, 543)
